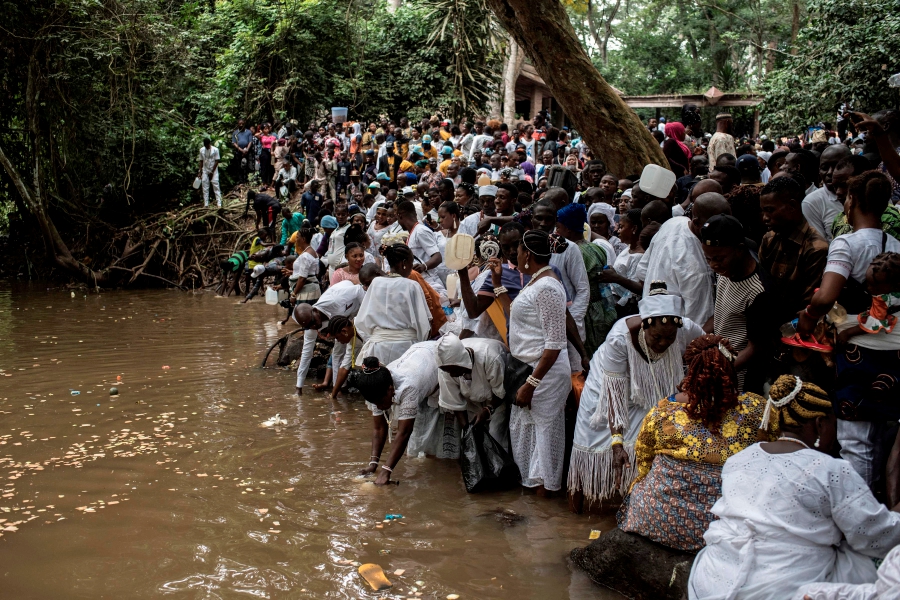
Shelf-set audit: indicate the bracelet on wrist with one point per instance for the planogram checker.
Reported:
(533, 381)
(500, 290)
(617, 440)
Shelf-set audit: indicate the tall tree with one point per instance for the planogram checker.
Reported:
(610, 127)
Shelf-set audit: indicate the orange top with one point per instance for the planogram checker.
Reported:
(433, 300)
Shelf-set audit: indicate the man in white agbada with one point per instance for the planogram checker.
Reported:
(790, 515)
(393, 315)
(676, 256)
(342, 299)
(396, 394)
(886, 587)
(638, 365)
(487, 197)
(471, 381)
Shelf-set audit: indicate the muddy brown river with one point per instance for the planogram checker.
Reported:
(173, 488)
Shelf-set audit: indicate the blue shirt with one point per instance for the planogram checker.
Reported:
(311, 203)
(513, 280)
(242, 138)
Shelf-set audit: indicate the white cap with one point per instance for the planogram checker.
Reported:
(408, 190)
(487, 190)
(657, 181)
(257, 271)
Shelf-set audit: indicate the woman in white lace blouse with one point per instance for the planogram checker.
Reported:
(537, 336)
(790, 515)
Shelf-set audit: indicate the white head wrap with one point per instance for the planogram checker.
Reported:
(627, 193)
(487, 190)
(659, 303)
(451, 352)
(602, 207)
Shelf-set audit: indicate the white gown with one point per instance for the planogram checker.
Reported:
(537, 322)
(676, 256)
(621, 378)
(787, 520)
(393, 316)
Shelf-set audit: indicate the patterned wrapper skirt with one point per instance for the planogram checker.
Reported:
(672, 505)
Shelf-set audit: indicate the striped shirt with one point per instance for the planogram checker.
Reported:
(737, 313)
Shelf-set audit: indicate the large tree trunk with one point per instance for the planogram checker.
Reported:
(510, 75)
(795, 24)
(610, 127)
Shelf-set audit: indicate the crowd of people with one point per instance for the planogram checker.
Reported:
(709, 344)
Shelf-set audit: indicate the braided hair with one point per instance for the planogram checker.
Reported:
(396, 253)
(710, 382)
(336, 324)
(372, 381)
(793, 402)
(541, 245)
(887, 265)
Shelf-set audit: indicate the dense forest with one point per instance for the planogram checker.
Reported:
(105, 102)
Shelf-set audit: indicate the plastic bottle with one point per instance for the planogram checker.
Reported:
(894, 80)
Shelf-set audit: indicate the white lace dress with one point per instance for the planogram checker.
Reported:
(620, 379)
(788, 520)
(537, 322)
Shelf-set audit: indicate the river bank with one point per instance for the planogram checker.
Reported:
(173, 487)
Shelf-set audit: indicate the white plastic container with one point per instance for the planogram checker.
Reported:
(339, 114)
(271, 296)
(459, 251)
(197, 183)
(452, 285)
(657, 181)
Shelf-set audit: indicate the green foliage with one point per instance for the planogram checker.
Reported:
(848, 50)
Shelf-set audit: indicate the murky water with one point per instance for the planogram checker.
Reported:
(172, 488)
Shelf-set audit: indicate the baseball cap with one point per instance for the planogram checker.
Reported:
(257, 271)
(407, 190)
(426, 139)
(374, 186)
(446, 151)
(745, 161)
(723, 231)
(370, 152)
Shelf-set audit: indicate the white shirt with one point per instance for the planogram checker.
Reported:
(424, 243)
(469, 225)
(287, 174)
(676, 256)
(489, 358)
(575, 280)
(342, 299)
(851, 254)
(820, 208)
(209, 157)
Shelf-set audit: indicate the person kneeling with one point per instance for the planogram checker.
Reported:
(682, 445)
(403, 383)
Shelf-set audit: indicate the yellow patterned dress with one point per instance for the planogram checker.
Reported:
(679, 470)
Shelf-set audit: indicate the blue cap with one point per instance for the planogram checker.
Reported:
(370, 152)
(382, 177)
(329, 222)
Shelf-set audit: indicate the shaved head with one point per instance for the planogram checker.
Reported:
(703, 186)
(303, 314)
(368, 273)
(706, 207)
(557, 196)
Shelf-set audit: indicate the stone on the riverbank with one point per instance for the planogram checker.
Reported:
(636, 567)
(113, 391)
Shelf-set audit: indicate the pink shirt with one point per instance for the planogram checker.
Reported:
(342, 275)
(267, 141)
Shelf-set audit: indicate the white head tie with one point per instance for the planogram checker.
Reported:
(780, 403)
